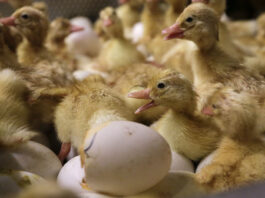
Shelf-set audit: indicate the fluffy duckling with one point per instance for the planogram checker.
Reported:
(179, 126)
(236, 163)
(136, 78)
(117, 52)
(212, 67)
(14, 113)
(60, 28)
(129, 13)
(44, 71)
(240, 157)
(90, 104)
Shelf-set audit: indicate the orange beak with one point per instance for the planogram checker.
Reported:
(9, 21)
(143, 94)
(75, 28)
(208, 111)
(108, 22)
(173, 31)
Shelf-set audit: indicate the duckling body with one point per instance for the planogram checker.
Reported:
(179, 126)
(89, 105)
(14, 112)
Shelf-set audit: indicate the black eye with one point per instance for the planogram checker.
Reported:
(24, 16)
(189, 19)
(161, 85)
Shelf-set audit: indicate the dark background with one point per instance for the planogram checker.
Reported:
(236, 9)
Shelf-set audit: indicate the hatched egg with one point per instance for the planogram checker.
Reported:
(32, 157)
(125, 158)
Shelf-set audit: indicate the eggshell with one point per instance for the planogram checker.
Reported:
(125, 158)
(207, 160)
(177, 185)
(32, 157)
(12, 182)
(86, 41)
(71, 175)
(181, 163)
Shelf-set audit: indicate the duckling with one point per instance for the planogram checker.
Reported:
(43, 71)
(90, 104)
(60, 28)
(136, 78)
(129, 14)
(237, 162)
(117, 52)
(212, 67)
(179, 126)
(41, 6)
(14, 112)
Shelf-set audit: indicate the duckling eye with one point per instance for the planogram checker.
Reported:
(189, 19)
(214, 106)
(24, 16)
(161, 85)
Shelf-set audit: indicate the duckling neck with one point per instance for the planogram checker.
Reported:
(201, 65)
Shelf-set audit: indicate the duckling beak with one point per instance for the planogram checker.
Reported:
(173, 31)
(108, 22)
(145, 107)
(201, 1)
(75, 28)
(208, 111)
(143, 94)
(9, 21)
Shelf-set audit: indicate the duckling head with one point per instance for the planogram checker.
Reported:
(218, 5)
(112, 25)
(30, 22)
(198, 23)
(169, 89)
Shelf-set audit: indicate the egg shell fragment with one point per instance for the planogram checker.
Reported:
(125, 158)
(32, 157)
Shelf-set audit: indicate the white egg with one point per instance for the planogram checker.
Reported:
(71, 176)
(84, 42)
(32, 157)
(125, 158)
(12, 182)
(181, 163)
(204, 162)
(177, 185)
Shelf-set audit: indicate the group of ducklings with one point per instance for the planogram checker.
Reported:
(177, 68)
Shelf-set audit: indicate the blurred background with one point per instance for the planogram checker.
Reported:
(236, 9)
